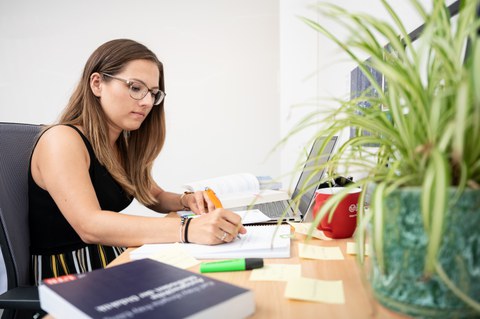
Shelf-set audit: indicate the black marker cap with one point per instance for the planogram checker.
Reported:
(253, 263)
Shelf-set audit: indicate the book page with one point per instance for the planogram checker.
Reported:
(238, 190)
(228, 185)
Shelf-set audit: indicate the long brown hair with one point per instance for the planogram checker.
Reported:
(138, 149)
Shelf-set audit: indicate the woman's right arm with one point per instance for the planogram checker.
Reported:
(60, 165)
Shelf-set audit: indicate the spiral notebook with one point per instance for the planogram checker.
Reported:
(262, 241)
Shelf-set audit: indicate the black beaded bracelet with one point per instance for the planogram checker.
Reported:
(186, 230)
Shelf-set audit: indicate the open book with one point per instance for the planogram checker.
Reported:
(267, 241)
(238, 190)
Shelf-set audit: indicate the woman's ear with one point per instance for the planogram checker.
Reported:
(96, 84)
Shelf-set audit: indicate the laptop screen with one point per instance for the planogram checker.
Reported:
(314, 160)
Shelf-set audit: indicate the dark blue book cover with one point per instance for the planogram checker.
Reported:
(144, 288)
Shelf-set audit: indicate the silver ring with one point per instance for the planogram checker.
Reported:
(223, 236)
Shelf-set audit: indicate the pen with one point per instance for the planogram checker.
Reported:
(213, 197)
(232, 265)
(216, 202)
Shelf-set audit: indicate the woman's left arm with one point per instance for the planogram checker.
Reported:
(198, 202)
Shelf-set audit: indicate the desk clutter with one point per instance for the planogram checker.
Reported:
(297, 287)
(160, 282)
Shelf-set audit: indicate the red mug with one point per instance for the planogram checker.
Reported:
(344, 219)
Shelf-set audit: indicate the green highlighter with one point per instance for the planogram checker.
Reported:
(232, 265)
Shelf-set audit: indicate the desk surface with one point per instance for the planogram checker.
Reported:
(269, 296)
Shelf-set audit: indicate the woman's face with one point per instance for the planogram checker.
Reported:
(123, 111)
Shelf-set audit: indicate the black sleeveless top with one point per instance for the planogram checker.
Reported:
(50, 233)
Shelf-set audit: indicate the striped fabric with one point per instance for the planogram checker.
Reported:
(75, 262)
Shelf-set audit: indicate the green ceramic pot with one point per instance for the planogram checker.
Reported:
(403, 287)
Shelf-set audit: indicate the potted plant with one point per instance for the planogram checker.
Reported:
(423, 219)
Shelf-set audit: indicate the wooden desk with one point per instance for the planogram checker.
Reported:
(269, 296)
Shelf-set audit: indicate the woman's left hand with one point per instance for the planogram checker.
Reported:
(199, 202)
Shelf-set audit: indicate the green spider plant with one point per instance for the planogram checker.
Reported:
(425, 124)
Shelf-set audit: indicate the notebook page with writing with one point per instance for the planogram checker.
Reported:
(256, 243)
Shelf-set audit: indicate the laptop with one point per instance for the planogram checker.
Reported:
(300, 210)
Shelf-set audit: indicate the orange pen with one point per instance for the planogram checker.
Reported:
(213, 197)
(217, 203)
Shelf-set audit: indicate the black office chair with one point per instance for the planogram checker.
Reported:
(16, 143)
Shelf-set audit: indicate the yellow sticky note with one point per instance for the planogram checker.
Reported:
(315, 290)
(176, 256)
(352, 249)
(276, 272)
(319, 252)
(304, 229)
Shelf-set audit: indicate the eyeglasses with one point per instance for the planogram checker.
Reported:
(139, 90)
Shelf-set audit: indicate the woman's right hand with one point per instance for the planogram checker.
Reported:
(217, 227)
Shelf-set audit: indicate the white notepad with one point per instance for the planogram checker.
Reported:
(256, 243)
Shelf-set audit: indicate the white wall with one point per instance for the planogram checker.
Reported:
(221, 62)
(313, 69)
(234, 72)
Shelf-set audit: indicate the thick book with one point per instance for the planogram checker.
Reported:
(263, 241)
(238, 190)
(144, 289)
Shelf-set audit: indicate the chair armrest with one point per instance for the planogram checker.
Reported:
(20, 298)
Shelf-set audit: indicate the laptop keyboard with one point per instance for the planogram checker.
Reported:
(275, 209)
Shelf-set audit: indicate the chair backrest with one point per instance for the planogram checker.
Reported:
(16, 144)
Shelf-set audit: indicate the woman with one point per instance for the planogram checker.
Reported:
(98, 158)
